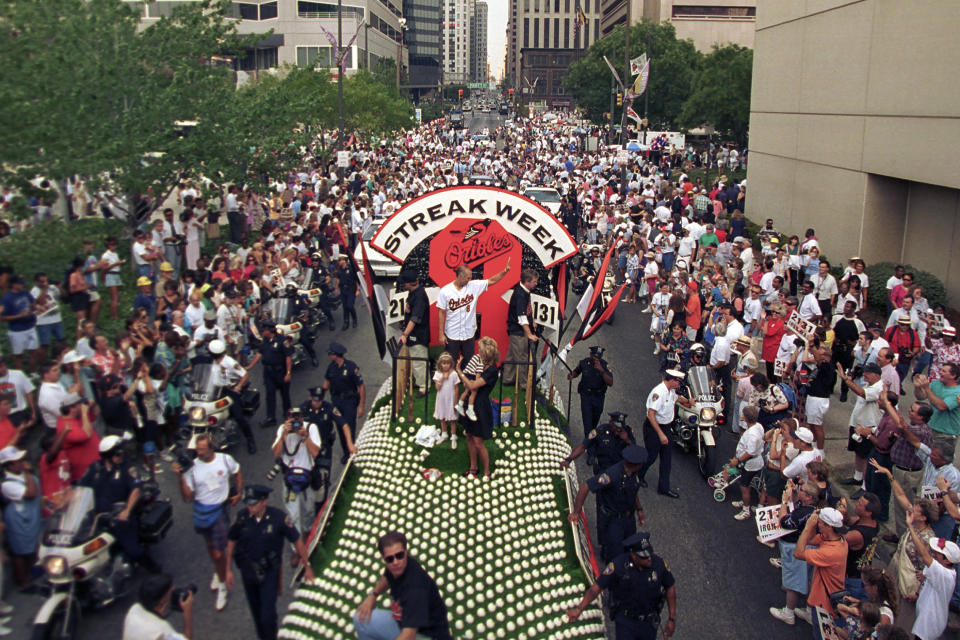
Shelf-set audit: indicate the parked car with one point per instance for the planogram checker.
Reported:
(546, 197)
(383, 267)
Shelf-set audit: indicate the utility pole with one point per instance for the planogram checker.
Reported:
(613, 93)
(646, 93)
(626, 76)
(403, 26)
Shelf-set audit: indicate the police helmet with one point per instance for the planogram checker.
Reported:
(217, 347)
(109, 446)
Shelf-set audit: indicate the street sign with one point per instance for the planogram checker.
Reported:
(419, 114)
(623, 156)
(343, 159)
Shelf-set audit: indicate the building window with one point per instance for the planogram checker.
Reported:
(326, 10)
(556, 33)
(596, 29)
(721, 13)
(258, 59)
(546, 32)
(321, 57)
(566, 33)
(536, 33)
(268, 11)
(586, 6)
(246, 11)
(526, 32)
(566, 6)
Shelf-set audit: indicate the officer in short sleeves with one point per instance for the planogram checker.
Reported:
(657, 432)
(593, 387)
(618, 507)
(639, 583)
(347, 390)
(604, 445)
(329, 423)
(255, 541)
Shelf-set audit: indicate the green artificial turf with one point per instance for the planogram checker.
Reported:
(570, 562)
(323, 554)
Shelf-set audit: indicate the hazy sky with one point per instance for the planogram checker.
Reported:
(496, 34)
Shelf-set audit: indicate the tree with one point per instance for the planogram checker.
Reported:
(82, 91)
(721, 93)
(673, 65)
(371, 107)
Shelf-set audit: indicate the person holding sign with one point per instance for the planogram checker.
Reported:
(520, 326)
(799, 502)
(940, 578)
(416, 326)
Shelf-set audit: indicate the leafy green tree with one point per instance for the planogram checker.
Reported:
(373, 108)
(673, 66)
(721, 93)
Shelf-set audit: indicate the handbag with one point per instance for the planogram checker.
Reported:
(297, 479)
(206, 515)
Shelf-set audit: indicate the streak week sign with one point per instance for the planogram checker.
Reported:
(483, 228)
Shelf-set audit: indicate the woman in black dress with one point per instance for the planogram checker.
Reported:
(482, 428)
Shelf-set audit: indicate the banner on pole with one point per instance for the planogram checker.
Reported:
(616, 76)
(637, 64)
(640, 84)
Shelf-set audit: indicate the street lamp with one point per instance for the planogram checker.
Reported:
(403, 27)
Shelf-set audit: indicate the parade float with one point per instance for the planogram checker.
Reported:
(505, 557)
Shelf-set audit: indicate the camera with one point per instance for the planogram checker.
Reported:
(179, 593)
(296, 425)
(274, 471)
(183, 458)
(855, 372)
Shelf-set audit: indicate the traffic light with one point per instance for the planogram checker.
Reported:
(510, 91)
(460, 94)
(619, 99)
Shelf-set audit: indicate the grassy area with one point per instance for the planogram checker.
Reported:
(323, 554)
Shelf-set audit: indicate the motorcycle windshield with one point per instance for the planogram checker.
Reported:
(701, 383)
(205, 388)
(277, 310)
(74, 521)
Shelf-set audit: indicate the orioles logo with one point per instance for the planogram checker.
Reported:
(479, 244)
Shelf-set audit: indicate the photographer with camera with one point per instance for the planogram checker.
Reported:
(206, 482)
(146, 620)
(296, 447)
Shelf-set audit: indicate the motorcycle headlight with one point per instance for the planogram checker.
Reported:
(198, 414)
(708, 414)
(55, 566)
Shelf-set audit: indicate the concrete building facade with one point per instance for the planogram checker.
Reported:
(478, 43)
(706, 22)
(424, 40)
(854, 121)
(457, 18)
(297, 36)
(546, 26)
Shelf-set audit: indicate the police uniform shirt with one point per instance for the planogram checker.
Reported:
(347, 280)
(227, 372)
(327, 418)
(345, 379)
(110, 486)
(519, 311)
(275, 352)
(662, 401)
(591, 380)
(603, 443)
(616, 491)
(416, 602)
(417, 310)
(636, 590)
(260, 540)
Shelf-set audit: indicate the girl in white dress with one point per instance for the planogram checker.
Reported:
(446, 381)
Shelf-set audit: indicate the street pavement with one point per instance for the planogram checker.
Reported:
(724, 580)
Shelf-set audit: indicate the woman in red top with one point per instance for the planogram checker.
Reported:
(54, 472)
(773, 328)
(81, 443)
(10, 436)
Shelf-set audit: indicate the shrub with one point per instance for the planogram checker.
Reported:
(880, 272)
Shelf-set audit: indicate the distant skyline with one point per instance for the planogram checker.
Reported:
(496, 35)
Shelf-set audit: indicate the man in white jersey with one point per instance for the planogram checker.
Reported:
(457, 310)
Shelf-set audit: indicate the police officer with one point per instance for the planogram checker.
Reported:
(298, 305)
(349, 290)
(114, 481)
(661, 404)
(328, 292)
(593, 386)
(617, 502)
(256, 540)
(228, 374)
(639, 582)
(348, 393)
(605, 444)
(277, 359)
(329, 422)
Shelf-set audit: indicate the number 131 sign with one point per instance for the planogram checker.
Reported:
(546, 312)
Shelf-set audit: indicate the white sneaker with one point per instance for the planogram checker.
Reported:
(215, 582)
(5, 608)
(783, 615)
(470, 413)
(743, 514)
(777, 562)
(459, 408)
(222, 598)
(656, 350)
(737, 504)
(5, 631)
(453, 441)
(645, 310)
(803, 613)
(443, 438)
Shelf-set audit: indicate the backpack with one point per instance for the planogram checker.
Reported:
(789, 393)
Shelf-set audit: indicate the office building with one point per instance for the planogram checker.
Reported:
(540, 35)
(457, 18)
(424, 40)
(478, 43)
(853, 126)
(298, 31)
(707, 23)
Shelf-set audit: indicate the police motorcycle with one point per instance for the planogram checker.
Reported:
(320, 288)
(281, 310)
(206, 406)
(695, 427)
(81, 559)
